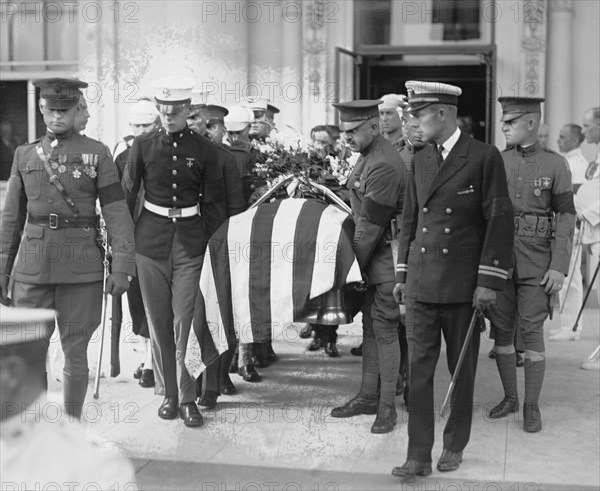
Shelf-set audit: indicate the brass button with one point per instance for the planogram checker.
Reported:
(446, 230)
(425, 230)
(444, 251)
(174, 219)
(174, 186)
(175, 144)
(174, 158)
(423, 250)
(425, 210)
(180, 135)
(174, 172)
(448, 211)
(174, 198)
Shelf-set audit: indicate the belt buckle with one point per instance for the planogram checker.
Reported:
(174, 212)
(53, 221)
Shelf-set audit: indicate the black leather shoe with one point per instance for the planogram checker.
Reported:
(260, 362)
(315, 345)
(271, 355)
(449, 461)
(510, 404)
(331, 350)
(228, 387)
(147, 378)
(412, 468)
(355, 406)
(532, 418)
(249, 373)
(168, 409)
(386, 418)
(138, 372)
(492, 353)
(233, 366)
(356, 351)
(190, 414)
(305, 332)
(208, 399)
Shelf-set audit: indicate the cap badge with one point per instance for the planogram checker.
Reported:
(166, 92)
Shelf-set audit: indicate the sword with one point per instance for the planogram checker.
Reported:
(578, 245)
(587, 294)
(461, 358)
(106, 264)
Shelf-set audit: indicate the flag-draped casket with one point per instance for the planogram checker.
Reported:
(262, 267)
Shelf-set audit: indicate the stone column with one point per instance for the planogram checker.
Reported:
(559, 67)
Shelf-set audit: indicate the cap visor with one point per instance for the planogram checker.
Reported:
(60, 104)
(417, 106)
(350, 125)
(509, 117)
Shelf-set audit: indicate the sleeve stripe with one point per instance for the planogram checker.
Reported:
(497, 275)
(492, 269)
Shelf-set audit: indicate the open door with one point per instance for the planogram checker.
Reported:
(347, 74)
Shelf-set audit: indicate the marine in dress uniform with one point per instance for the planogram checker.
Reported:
(177, 167)
(455, 252)
(541, 192)
(39, 447)
(376, 187)
(51, 244)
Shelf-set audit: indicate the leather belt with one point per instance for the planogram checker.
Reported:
(55, 221)
(163, 211)
(536, 226)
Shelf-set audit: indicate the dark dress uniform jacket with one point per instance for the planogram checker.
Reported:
(457, 225)
(376, 187)
(64, 255)
(176, 169)
(539, 184)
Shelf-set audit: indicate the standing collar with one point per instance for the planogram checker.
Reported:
(529, 150)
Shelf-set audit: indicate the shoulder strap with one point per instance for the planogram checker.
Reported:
(56, 181)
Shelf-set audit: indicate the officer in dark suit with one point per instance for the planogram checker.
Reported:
(58, 264)
(541, 191)
(177, 167)
(216, 378)
(455, 252)
(376, 195)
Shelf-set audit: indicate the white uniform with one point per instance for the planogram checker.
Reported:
(39, 448)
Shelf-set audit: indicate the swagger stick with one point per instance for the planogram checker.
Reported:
(579, 246)
(587, 294)
(461, 357)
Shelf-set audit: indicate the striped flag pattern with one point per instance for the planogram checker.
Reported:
(261, 268)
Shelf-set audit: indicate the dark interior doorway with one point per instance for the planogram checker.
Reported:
(376, 81)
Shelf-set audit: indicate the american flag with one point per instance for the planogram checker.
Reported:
(261, 268)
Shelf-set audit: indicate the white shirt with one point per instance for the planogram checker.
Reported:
(587, 205)
(450, 142)
(38, 447)
(577, 164)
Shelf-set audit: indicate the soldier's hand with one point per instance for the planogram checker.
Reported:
(553, 281)
(117, 284)
(4, 280)
(398, 292)
(484, 298)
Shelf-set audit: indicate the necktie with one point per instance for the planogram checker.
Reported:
(440, 157)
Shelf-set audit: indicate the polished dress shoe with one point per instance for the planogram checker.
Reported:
(260, 362)
(168, 409)
(305, 332)
(190, 414)
(355, 406)
(510, 404)
(356, 351)
(449, 461)
(315, 344)
(386, 418)
(412, 468)
(532, 418)
(331, 350)
(147, 378)
(492, 353)
(249, 373)
(208, 399)
(138, 372)
(228, 387)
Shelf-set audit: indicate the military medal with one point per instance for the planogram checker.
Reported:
(62, 158)
(356, 184)
(76, 173)
(537, 191)
(62, 168)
